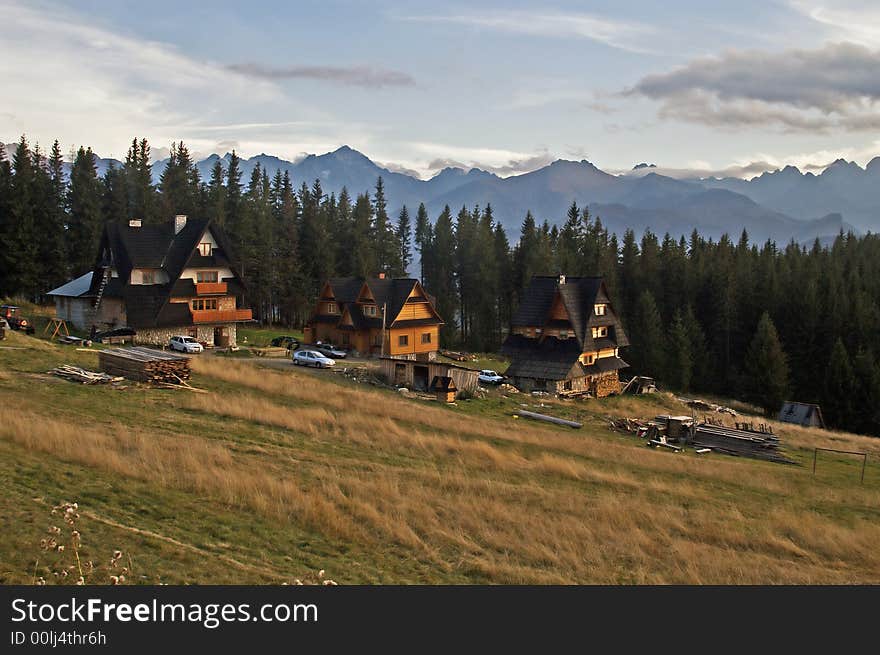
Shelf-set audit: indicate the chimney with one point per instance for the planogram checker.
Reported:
(561, 279)
(179, 223)
(382, 275)
(134, 222)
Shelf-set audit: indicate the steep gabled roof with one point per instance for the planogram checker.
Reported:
(579, 295)
(390, 292)
(158, 247)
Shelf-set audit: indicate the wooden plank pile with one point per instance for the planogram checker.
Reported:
(83, 376)
(739, 443)
(145, 365)
(549, 419)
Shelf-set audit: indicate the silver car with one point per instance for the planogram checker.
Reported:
(312, 358)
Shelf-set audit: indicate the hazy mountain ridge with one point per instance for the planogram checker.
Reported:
(778, 205)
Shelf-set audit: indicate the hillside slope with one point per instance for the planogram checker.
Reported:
(273, 475)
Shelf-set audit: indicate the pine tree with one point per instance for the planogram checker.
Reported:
(139, 182)
(680, 363)
(839, 383)
(766, 367)
(216, 195)
(7, 255)
(85, 222)
(403, 236)
(648, 348)
(24, 199)
(232, 210)
(422, 237)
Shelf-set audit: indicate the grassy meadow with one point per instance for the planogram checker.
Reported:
(275, 474)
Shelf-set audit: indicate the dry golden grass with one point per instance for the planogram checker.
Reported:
(492, 500)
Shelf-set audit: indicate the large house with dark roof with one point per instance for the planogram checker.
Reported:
(160, 280)
(566, 337)
(376, 316)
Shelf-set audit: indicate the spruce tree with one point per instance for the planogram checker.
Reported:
(680, 363)
(839, 385)
(647, 337)
(403, 236)
(766, 368)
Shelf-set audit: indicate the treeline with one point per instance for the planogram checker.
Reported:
(736, 319)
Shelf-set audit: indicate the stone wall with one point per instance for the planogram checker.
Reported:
(160, 336)
(599, 386)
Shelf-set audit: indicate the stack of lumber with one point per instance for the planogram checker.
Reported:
(145, 365)
(77, 374)
(739, 443)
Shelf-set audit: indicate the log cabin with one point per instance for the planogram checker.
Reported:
(565, 338)
(160, 280)
(376, 316)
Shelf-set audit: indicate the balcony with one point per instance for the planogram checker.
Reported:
(210, 288)
(221, 315)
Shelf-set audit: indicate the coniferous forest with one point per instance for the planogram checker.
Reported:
(764, 322)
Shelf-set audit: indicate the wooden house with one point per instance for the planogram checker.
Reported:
(376, 316)
(566, 337)
(160, 280)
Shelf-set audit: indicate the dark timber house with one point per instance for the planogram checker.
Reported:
(161, 280)
(565, 337)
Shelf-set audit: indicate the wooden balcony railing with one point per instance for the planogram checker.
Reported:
(210, 288)
(220, 315)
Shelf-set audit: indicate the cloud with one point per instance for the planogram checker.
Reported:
(623, 35)
(501, 162)
(364, 76)
(833, 87)
(857, 22)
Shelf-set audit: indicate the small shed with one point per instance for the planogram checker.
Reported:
(444, 387)
(805, 414)
(70, 303)
(418, 375)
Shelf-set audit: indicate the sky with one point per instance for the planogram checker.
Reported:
(693, 87)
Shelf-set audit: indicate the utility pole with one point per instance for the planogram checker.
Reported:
(384, 308)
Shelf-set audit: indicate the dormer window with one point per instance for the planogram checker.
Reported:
(371, 310)
(599, 309)
(206, 276)
(148, 277)
(205, 249)
(332, 308)
(601, 331)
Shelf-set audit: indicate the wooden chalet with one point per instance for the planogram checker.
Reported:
(160, 280)
(376, 316)
(565, 338)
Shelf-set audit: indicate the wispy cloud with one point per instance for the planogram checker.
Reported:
(833, 87)
(855, 21)
(619, 34)
(500, 162)
(364, 76)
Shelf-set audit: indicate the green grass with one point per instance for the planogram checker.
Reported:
(260, 337)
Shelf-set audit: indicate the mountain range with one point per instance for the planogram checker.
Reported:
(782, 205)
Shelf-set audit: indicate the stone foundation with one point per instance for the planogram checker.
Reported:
(159, 336)
(599, 386)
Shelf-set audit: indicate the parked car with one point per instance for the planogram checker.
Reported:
(16, 321)
(312, 358)
(329, 350)
(291, 343)
(185, 344)
(488, 376)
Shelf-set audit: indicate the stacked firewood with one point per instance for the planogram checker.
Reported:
(145, 365)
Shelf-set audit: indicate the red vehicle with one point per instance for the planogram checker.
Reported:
(16, 321)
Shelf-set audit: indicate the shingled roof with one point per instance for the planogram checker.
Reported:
(391, 292)
(156, 246)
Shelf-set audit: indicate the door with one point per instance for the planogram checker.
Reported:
(420, 378)
(221, 336)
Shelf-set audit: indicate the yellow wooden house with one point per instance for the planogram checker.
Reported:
(376, 316)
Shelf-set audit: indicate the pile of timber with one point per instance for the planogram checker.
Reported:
(77, 374)
(145, 365)
(739, 442)
(549, 419)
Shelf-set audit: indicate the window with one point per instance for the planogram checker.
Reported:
(206, 276)
(370, 310)
(567, 385)
(600, 331)
(345, 338)
(599, 309)
(403, 340)
(193, 332)
(148, 277)
(202, 304)
(426, 337)
(563, 334)
(377, 339)
(205, 249)
(332, 308)
(539, 332)
(589, 359)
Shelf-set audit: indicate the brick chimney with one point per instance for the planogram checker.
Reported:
(134, 222)
(179, 223)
